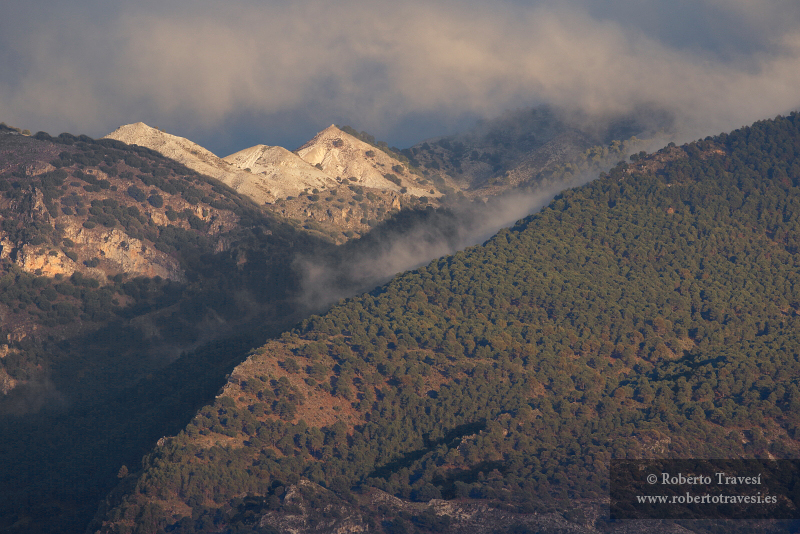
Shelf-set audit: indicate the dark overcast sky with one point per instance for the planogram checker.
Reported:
(241, 72)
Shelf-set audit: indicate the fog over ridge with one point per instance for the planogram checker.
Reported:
(325, 282)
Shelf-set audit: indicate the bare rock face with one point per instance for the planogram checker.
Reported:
(279, 173)
(341, 155)
(116, 251)
(38, 167)
(6, 382)
(195, 157)
(6, 247)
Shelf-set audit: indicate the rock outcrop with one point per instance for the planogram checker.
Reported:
(116, 251)
(279, 173)
(341, 155)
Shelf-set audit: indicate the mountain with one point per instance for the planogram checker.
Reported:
(342, 183)
(285, 173)
(130, 286)
(524, 147)
(95, 233)
(340, 154)
(196, 158)
(653, 313)
(323, 186)
(263, 173)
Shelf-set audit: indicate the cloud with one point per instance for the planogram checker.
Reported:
(196, 67)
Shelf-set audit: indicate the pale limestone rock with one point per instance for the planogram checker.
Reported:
(38, 167)
(158, 218)
(341, 154)
(36, 259)
(267, 173)
(6, 247)
(194, 157)
(282, 172)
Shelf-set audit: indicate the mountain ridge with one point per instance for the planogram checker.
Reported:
(322, 185)
(235, 290)
(523, 147)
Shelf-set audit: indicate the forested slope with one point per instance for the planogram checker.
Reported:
(651, 313)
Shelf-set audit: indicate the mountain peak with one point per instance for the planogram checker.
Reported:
(171, 146)
(341, 155)
(282, 171)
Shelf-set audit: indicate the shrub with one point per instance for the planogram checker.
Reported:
(136, 194)
(392, 178)
(291, 365)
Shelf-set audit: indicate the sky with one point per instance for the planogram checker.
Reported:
(233, 74)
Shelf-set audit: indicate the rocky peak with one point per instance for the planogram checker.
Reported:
(341, 155)
(335, 183)
(166, 144)
(283, 172)
(196, 158)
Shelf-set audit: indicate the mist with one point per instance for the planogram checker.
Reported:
(363, 266)
(233, 75)
(409, 239)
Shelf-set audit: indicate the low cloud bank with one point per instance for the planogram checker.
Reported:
(204, 70)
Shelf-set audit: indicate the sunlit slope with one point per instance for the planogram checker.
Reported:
(651, 313)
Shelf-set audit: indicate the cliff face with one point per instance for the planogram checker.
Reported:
(95, 250)
(6, 382)
(117, 251)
